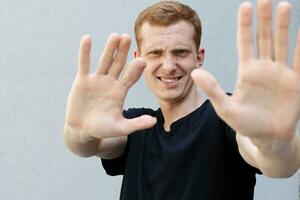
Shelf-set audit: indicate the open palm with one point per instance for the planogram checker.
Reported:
(266, 99)
(95, 103)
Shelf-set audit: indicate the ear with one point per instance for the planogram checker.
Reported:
(136, 54)
(200, 57)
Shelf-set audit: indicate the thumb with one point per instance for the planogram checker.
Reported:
(139, 123)
(212, 89)
(133, 72)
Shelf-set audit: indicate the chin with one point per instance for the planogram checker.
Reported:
(171, 98)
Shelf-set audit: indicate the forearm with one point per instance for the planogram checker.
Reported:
(78, 144)
(278, 158)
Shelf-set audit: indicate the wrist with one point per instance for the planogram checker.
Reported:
(77, 134)
(79, 143)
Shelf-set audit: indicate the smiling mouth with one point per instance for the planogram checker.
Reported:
(169, 79)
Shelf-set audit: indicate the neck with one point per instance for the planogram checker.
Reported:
(173, 111)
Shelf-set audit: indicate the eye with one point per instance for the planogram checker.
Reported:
(180, 52)
(154, 53)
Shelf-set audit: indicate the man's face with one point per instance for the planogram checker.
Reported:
(171, 56)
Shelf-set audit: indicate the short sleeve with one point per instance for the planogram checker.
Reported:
(233, 145)
(116, 166)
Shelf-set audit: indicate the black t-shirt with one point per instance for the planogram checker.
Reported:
(197, 159)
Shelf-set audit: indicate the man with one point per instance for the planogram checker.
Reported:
(186, 149)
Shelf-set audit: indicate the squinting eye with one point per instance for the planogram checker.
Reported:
(155, 52)
(180, 52)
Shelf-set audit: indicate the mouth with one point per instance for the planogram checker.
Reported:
(169, 80)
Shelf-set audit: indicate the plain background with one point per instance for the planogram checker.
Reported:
(38, 49)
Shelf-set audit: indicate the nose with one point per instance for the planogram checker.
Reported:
(169, 63)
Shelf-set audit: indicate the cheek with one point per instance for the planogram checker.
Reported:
(147, 70)
(189, 63)
(150, 68)
(188, 67)
(147, 76)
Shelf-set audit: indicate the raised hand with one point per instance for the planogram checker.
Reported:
(96, 99)
(266, 99)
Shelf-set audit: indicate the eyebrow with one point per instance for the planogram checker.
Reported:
(154, 49)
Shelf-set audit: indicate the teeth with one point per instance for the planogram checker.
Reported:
(169, 80)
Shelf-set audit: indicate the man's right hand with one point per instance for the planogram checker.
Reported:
(95, 102)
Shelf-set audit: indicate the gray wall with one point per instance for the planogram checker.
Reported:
(38, 48)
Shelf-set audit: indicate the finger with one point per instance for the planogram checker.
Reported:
(212, 89)
(133, 72)
(139, 123)
(296, 58)
(281, 41)
(264, 29)
(121, 56)
(244, 32)
(84, 55)
(106, 58)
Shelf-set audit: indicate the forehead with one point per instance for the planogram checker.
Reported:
(177, 34)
